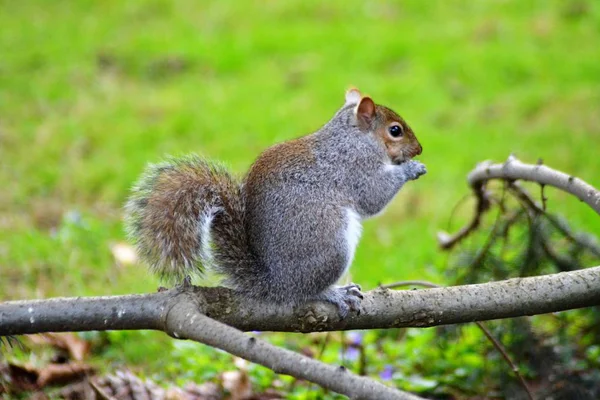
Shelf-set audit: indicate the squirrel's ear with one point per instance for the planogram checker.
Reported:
(365, 112)
(352, 96)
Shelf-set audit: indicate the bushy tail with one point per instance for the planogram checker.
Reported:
(185, 214)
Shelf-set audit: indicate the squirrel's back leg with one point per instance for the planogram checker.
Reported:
(346, 298)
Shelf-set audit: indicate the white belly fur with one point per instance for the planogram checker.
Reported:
(352, 234)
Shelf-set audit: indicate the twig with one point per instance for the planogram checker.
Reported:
(490, 239)
(482, 204)
(362, 361)
(410, 283)
(323, 346)
(455, 209)
(530, 207)
(562, 263)
(543, 196)
(532, 218)
(506, 357)
(531, 204)
(319, 357)
(485, 331)
(508, 223)
(494, 232)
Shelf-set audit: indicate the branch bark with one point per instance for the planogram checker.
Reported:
(381, 308)
(185, 321)
(211, 315)
(192, 312)
(195, 312)
(512, 170)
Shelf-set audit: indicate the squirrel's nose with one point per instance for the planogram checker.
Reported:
(418, 150)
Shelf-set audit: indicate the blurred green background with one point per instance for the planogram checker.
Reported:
(92, 91)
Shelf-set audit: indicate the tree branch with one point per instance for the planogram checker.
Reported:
(380, 308)
(512, 170)
(523, 195)
(185, 321)
(209, 315)
(194, 312)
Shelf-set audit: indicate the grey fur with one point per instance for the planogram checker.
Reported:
(286, 242)
(296, 223)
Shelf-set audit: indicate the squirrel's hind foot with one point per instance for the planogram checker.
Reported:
(345, 298)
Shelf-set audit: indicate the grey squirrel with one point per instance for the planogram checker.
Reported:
(287, 231)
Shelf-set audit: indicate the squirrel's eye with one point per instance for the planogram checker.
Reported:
(395, 131)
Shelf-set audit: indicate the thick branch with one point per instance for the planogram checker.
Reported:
(78, 314)
(381, 308)
(192, 312)
(185, 321)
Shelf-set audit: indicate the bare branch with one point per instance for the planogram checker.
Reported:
(185, 321)
(507, 358)
(188, 312)
(178, 312)
(79, 314)
(524, 196)
(512, 170)
(183, 311)
(380, 309)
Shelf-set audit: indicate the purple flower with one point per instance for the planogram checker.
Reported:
(351, 353)
(355, 338)
(387, 372)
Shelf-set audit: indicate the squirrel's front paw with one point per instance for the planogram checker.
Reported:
(414, 169)
(346, 298)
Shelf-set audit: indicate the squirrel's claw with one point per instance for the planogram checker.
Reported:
(353, 289)
(345, 298)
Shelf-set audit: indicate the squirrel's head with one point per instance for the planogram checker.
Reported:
(387, 127)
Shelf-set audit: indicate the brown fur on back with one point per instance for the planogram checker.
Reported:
(284, 156)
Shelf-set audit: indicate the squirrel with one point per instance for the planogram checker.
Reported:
(287, 231)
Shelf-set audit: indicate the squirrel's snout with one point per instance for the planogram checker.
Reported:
(416, 151)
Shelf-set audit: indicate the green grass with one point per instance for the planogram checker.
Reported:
(90, 92)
